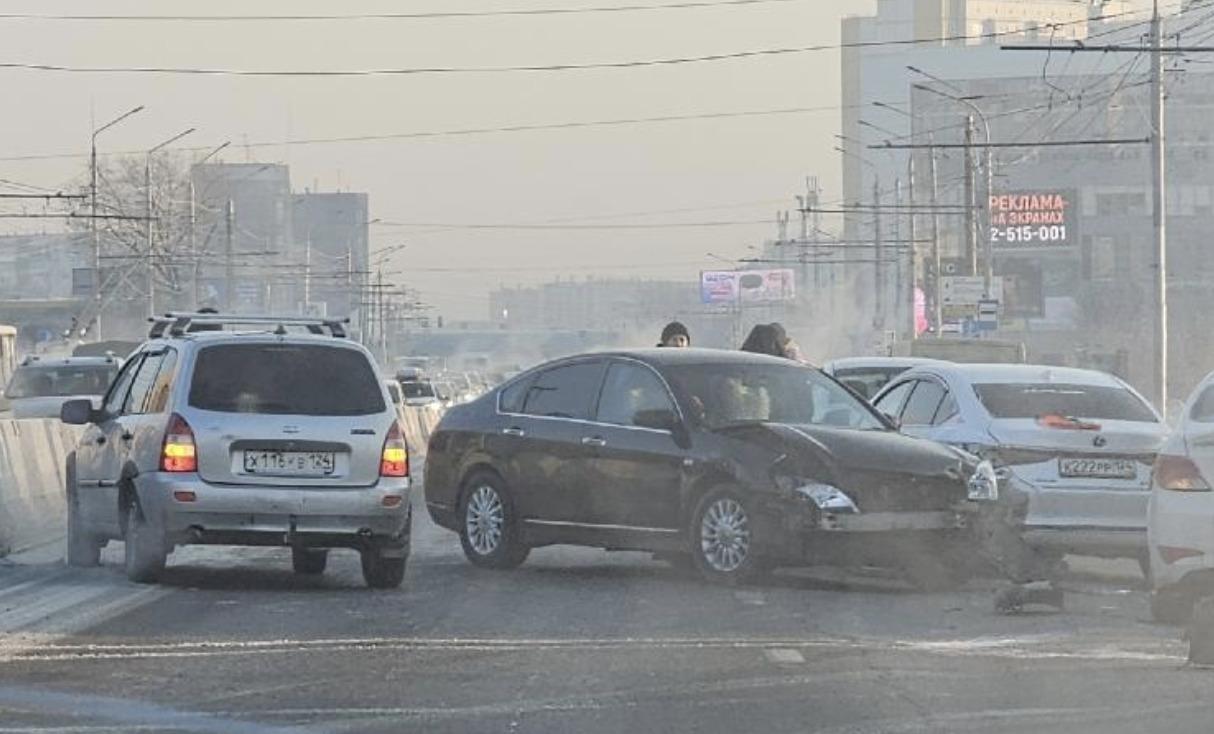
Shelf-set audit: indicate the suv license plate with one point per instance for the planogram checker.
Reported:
(290, 463)
(1098, 468)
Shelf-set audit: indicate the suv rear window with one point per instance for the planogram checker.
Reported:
(1033, 400)
(285, 379)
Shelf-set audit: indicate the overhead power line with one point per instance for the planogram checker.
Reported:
(434, 15)
(509, 225)
(572, 125)
(589, 66)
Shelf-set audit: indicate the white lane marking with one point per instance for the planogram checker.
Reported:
(784, 656)
(1027, 648)
(754, 598)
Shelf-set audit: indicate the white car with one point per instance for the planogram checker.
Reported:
(1180, 526)
(867, 375)
(1079, 445)
(40, 387)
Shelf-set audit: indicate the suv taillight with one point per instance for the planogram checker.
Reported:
(179, 453)
(1179, 474)
(394, 461)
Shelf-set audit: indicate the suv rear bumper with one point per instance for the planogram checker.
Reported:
(259, 515)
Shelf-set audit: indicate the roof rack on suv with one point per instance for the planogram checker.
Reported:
(177, 323)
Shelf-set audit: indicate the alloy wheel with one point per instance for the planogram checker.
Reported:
(725, 535)
(483, 520)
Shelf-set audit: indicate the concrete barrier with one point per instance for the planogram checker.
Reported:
(32, 456)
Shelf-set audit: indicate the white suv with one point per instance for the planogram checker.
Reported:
(242, 438)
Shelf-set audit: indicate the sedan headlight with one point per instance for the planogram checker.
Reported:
(826, 497)
(983, 485)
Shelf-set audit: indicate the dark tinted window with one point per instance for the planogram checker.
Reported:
(285, 379)
(417, 389)
(628, 390)
(142, 384)
(1033, 400)
(513, 396)
(565, 392)
(60, 380)
(923, 403)
(891, 402)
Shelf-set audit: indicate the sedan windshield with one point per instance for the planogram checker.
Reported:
(61, 381)
(1034, 400)
(724, 394)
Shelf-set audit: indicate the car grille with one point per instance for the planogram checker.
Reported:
(881, 492)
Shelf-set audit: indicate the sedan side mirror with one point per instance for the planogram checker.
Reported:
(78, 412)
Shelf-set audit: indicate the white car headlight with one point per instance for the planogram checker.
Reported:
(827, 498)
(983, 485)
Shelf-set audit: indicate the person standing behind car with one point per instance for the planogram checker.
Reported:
(766, 339)
(675, 334)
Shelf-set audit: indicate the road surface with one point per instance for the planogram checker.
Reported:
(576, 640)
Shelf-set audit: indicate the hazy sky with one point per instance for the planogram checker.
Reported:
(725, 169)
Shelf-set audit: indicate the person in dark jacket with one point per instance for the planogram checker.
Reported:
(766, 339)
(675, 334)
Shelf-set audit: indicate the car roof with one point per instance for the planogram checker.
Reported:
(863, 362)
(257, 337)
(671, 356)
(1027, 373)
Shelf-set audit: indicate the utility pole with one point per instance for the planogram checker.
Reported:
(912, 231)
(878, 271)
(383, 318)
(308, 274)
(898, 281)
(937, 265)
(229, 263)
(1159, 214)
(971, 245)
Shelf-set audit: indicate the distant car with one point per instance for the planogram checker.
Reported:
(40, 387)
(736, 462)
(867, 375)
(419, 393)
(1180, 527)
(1078, 444)
(242, 438)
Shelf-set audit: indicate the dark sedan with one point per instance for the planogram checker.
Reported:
(734, 461)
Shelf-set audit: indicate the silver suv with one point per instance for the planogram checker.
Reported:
(269, 438)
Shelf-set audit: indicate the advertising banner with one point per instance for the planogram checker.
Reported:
(1042, 219)
(747, 286)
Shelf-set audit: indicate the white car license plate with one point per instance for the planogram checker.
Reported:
(290, 463)
(1098, 468)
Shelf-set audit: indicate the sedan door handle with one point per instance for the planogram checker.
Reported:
(514, 431)
(127, 436)
(593, 441)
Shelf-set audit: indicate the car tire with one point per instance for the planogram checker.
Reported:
(309, 561)
(380, 571)
(83, 548)
(488, 530)
(1169, 606)
(722, 537)
(144, 555)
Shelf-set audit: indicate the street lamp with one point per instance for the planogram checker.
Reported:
(93, 211)
(147, 186)
(987, 162)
